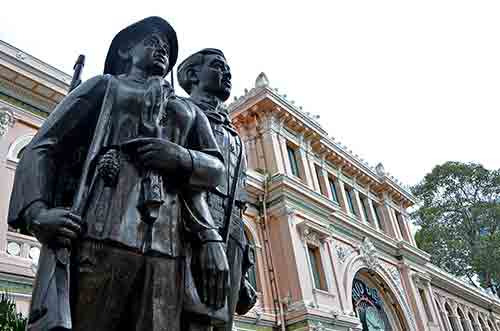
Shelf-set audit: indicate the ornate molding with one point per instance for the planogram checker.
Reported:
(311, 236)
(312, 233)
(7, 121)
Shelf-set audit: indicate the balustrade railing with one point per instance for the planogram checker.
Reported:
(23, 246)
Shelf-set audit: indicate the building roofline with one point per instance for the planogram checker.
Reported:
(263, 91)
(26, 59)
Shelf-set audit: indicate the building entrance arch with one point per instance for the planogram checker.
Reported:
(383, 279)
(375, 305)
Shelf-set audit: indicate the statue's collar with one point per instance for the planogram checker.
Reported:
(214, 109)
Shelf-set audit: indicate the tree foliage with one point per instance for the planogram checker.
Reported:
(10, 320)
(459, 220)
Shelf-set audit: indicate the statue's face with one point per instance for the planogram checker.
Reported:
(151, 55)
(214, 76)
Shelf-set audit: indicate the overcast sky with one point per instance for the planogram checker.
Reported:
(410, 84)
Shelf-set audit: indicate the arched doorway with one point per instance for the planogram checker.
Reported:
(252, 271)
(375, 305)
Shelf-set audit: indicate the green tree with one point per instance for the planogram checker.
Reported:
(10, 320)
(459, 220)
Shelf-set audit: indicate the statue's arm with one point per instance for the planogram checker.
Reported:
(206, 172)
(36, 173)
(207, 163)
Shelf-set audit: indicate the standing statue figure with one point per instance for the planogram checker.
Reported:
(206, 76)
(106, 177)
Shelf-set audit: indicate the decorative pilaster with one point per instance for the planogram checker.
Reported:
(342, 195)
(268, 129)
(359, 207)
(389, 219)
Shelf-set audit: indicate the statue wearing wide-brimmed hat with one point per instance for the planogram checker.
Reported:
(106, 178)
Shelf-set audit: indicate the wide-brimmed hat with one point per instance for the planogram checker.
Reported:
(114, 65)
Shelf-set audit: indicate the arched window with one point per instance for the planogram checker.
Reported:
(471, 318)
(440, 313)
(462, 318)
(17, 147)
(252, 272)
(449, 312)
(369, 307)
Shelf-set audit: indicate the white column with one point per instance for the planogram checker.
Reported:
(323, 177)
(359, 207)
(342, 195)
(389, 219)
(373, 215)
(286, 162)
(304, 162)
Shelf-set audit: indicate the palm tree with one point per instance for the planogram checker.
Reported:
(10, 319)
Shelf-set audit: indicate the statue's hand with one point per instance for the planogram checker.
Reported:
(55, 226)
(214, 274)
(160, 154)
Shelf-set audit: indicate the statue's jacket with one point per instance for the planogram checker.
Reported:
(232, 149)
(51, 165)
(217, 199)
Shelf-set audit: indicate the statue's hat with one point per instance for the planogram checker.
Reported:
(133, 33)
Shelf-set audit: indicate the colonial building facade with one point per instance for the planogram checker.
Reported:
(333, 246)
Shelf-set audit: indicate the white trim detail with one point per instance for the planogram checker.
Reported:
(17, 146)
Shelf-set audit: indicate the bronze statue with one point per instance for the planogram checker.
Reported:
(104, 186)
(206, 76)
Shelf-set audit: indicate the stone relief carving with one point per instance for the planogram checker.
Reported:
(6, 121)
(317, 326)
(394, 272)
(369, 254)
(343, 252)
